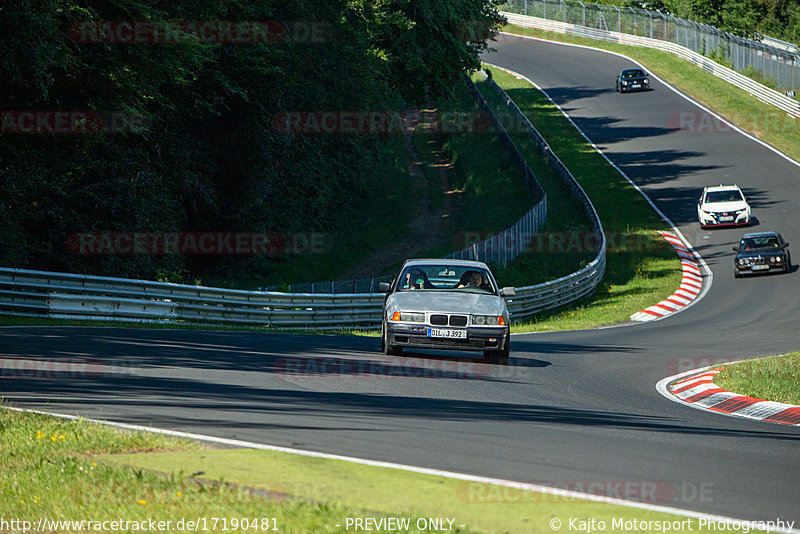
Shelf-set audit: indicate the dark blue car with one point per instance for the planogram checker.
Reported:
(632, 80)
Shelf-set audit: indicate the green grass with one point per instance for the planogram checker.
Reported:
(775, 378)
(386, 491)
(52, 468)
(767, 122)
(641, 268)
(71, 470)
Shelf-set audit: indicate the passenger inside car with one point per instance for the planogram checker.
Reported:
(415, 279)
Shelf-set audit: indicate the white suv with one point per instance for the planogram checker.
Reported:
(723, 205)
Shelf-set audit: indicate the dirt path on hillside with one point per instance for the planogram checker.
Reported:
(427, 228)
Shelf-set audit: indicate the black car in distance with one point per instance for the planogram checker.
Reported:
(632, 80)
(762, 252)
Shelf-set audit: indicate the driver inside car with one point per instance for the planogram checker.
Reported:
(470, 279)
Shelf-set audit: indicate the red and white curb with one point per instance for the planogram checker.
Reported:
(700, 391)
(690, 287)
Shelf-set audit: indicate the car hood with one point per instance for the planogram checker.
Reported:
(724, 206)
(448, 302)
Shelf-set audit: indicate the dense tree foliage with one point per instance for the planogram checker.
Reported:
(776, 18)
(203, 152)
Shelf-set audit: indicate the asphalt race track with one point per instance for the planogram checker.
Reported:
(573, 408)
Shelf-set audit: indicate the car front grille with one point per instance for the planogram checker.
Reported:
(756, 260)
(458, 320)
(451, 320)
(718, 214)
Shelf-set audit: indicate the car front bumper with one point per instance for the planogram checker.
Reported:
(770, 268)
(637, 87)
(416, 335)
(709, 221)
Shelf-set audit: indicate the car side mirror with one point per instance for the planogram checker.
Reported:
(508, 292)
(383, 287)
(786, 244)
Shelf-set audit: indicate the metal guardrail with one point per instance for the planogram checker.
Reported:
(777, 62)
(82, 297)
(73, 296)
(760, 91)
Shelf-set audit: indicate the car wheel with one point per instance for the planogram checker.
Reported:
(787, 268)
(499, 357)
(386, 347)
(736, 273)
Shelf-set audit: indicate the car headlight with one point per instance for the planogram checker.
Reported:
(646, 80)
(488, 320)
(408, 317)
(742, 261)
(624, 82)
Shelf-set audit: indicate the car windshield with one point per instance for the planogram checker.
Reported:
(759, 242)
(634, 73)
(446, 277)
(731, 195)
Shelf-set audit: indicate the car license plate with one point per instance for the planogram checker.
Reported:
(759, 267)
(725, 219)
(636, 86)
(446, 333)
